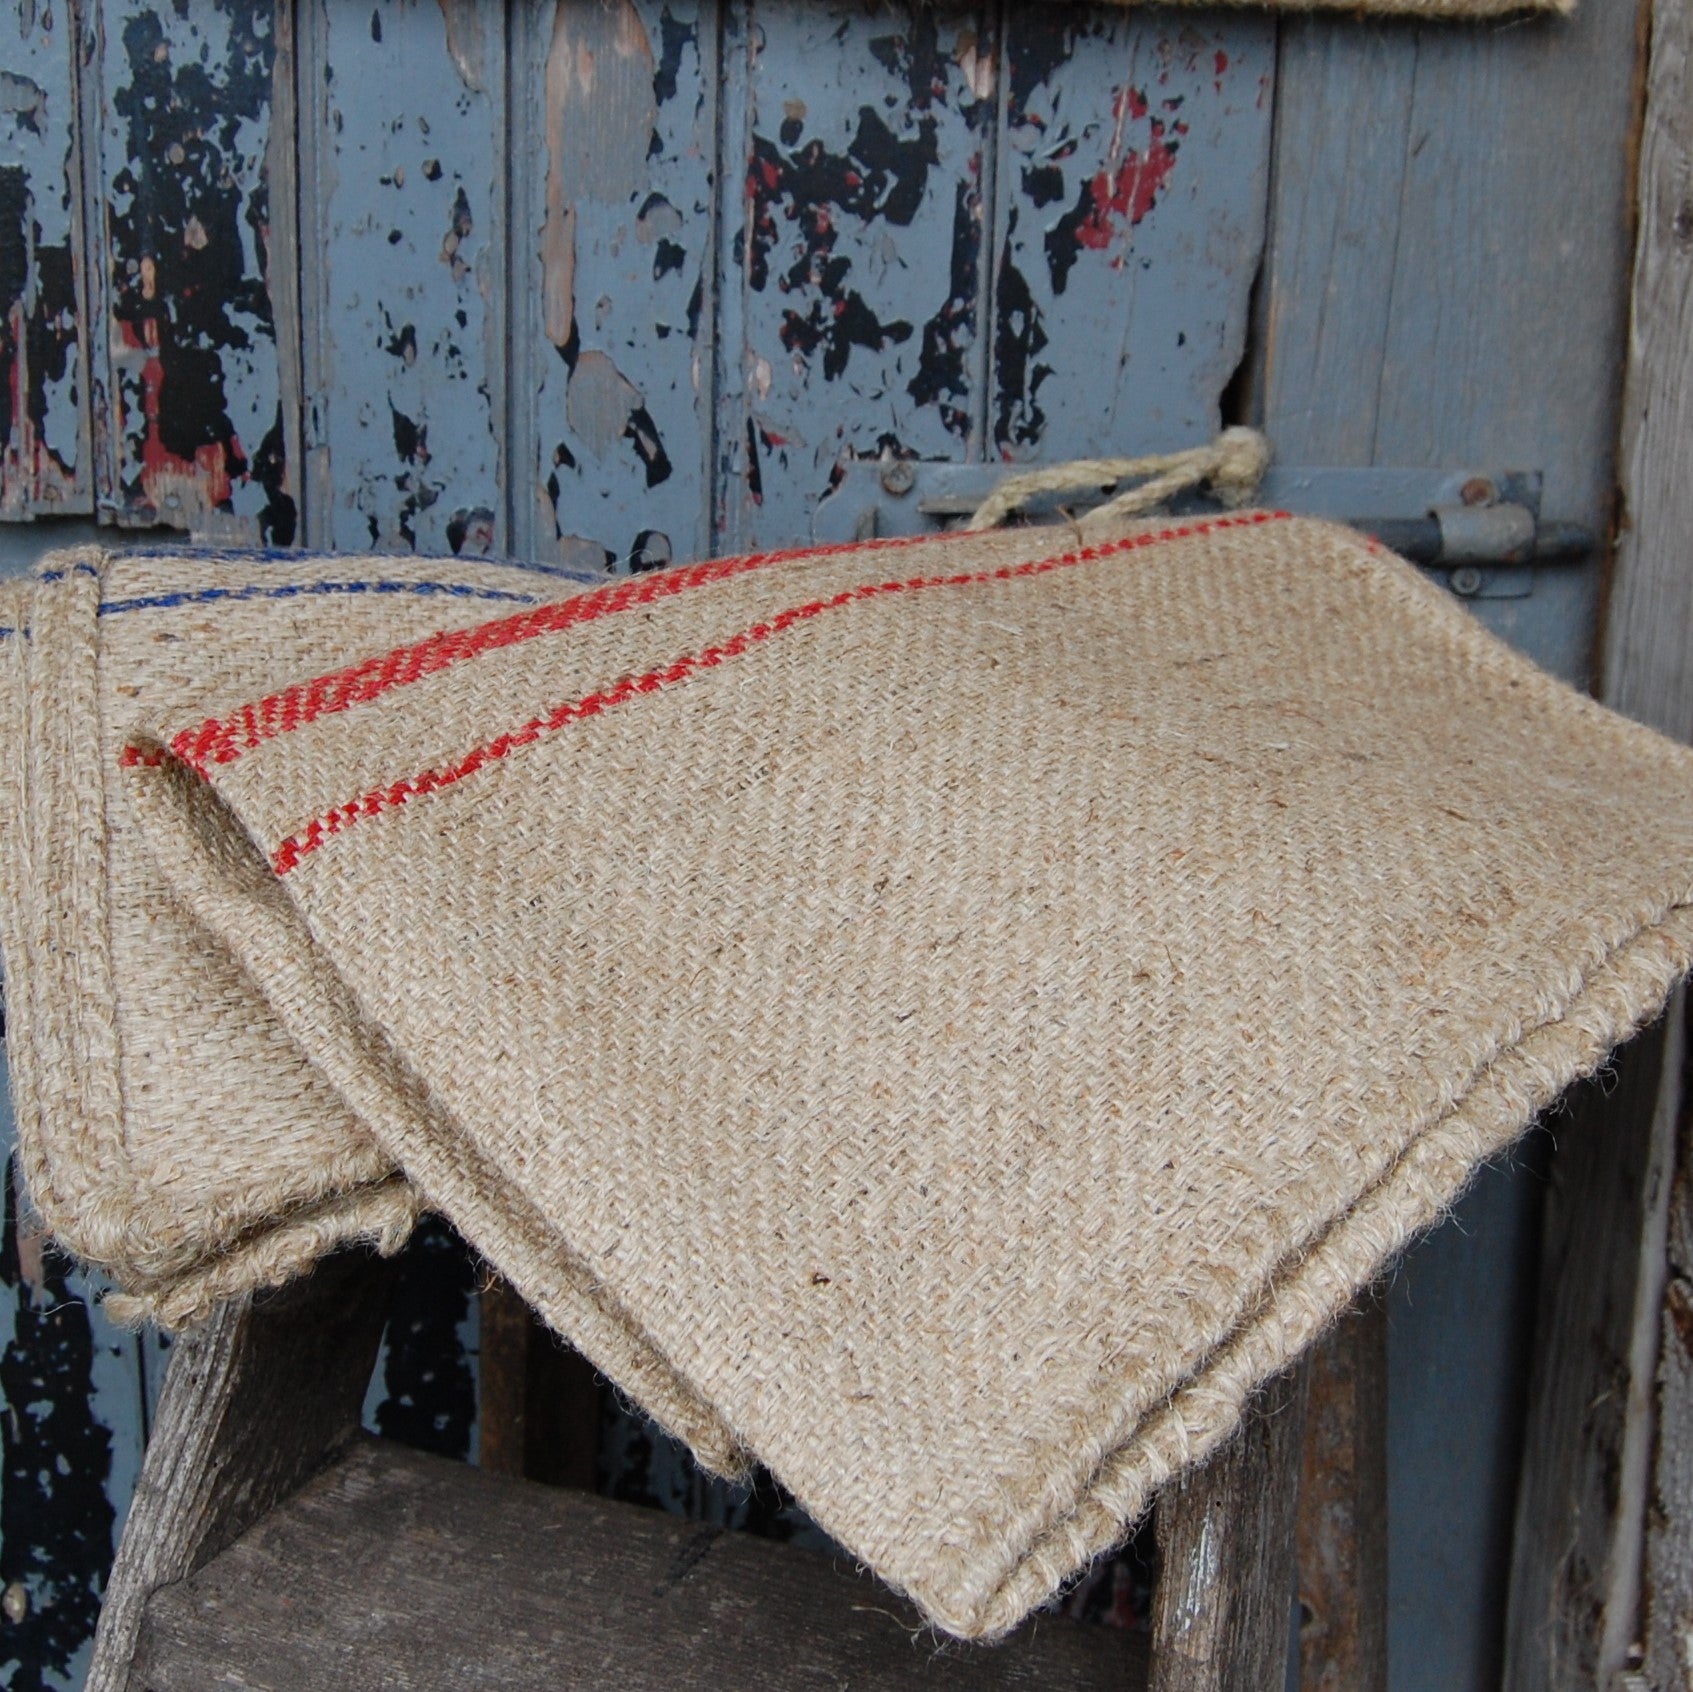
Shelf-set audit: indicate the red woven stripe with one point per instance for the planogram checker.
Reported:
(380, 799)
(221, 740)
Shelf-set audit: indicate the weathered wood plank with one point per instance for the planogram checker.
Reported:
(1133, 162)
(479, 1581)
(186, 392)
(1575, 1551)
(1342, 1531)
(45, 466)
(1222, 1607)
(1648, 671)
(404, 326)
(1667, 1624)
(852, 248)
(257, 1398)
(538, 1401)
(1446, 282)
(614, 128)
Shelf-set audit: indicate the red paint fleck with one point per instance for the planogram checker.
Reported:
(1222, 61)
(187, 483)
(1130, 101)
(1130, 191)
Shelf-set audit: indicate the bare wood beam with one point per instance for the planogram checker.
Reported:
(1342, 1530)
(1222, 1610)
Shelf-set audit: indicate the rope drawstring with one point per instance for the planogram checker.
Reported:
(1233, 465)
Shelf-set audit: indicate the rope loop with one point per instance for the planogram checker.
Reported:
(1233, 465)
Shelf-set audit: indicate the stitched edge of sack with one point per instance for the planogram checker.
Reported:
(53, 800)
(382, 1215)
(66, 1100)
(222, 876)
(1318, 1285)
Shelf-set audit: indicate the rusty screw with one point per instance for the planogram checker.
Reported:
(1478, 490)
(898, 477)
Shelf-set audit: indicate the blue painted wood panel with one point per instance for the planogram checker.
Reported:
(187, 395)
(1132, 179)
(402, 190)
(854, 215)
(44, 418)
(614, 110)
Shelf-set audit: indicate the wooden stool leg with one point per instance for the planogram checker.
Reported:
(256, 1400)
(1343, 1509)
(1222, 1611)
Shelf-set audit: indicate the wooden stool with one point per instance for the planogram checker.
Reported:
(272, 1545)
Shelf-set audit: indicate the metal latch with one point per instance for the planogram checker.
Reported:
(1479, 530)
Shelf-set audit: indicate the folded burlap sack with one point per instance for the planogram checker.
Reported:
(946, 1017)
(169, 1129)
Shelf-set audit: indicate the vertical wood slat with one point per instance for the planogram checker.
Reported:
(187, 391)
(614, 121)
(1647, 667)
(1342, 1532)
(1575, 1552)
(1445, 282)
(1666, 1624)
(1222, 1605)
(539, 1402)
(45, 466)
(1131, 191)
(404, 145)
(851, 247)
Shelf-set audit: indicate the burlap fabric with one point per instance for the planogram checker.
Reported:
(170, 1131)
(945, 1018)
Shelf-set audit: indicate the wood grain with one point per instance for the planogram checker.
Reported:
(538, 1401)
(1648, 672)
(1222, 1605)
(472, 1581)
(1342, 1531)
(256, 1399)
(1578, 1520)
(1667, 1630)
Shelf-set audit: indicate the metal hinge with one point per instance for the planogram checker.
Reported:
(1480, 530)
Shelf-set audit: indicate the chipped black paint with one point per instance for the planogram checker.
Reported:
(14, 278)
(668, 256)
(942, 377)
(642, 433)
(917, 56)
(1037, 48)
(429, 1391)
(279, 520)
(674, 39)
(1019, 338)
(183, 297)
(881, 175)
(37, 340)
(55, 1518)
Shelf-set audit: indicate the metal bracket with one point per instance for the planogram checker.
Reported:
(1479, 531)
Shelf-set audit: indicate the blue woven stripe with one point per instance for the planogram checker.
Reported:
(297, 590)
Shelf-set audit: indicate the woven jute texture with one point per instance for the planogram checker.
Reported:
(170, 1130)
(945, 1018)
